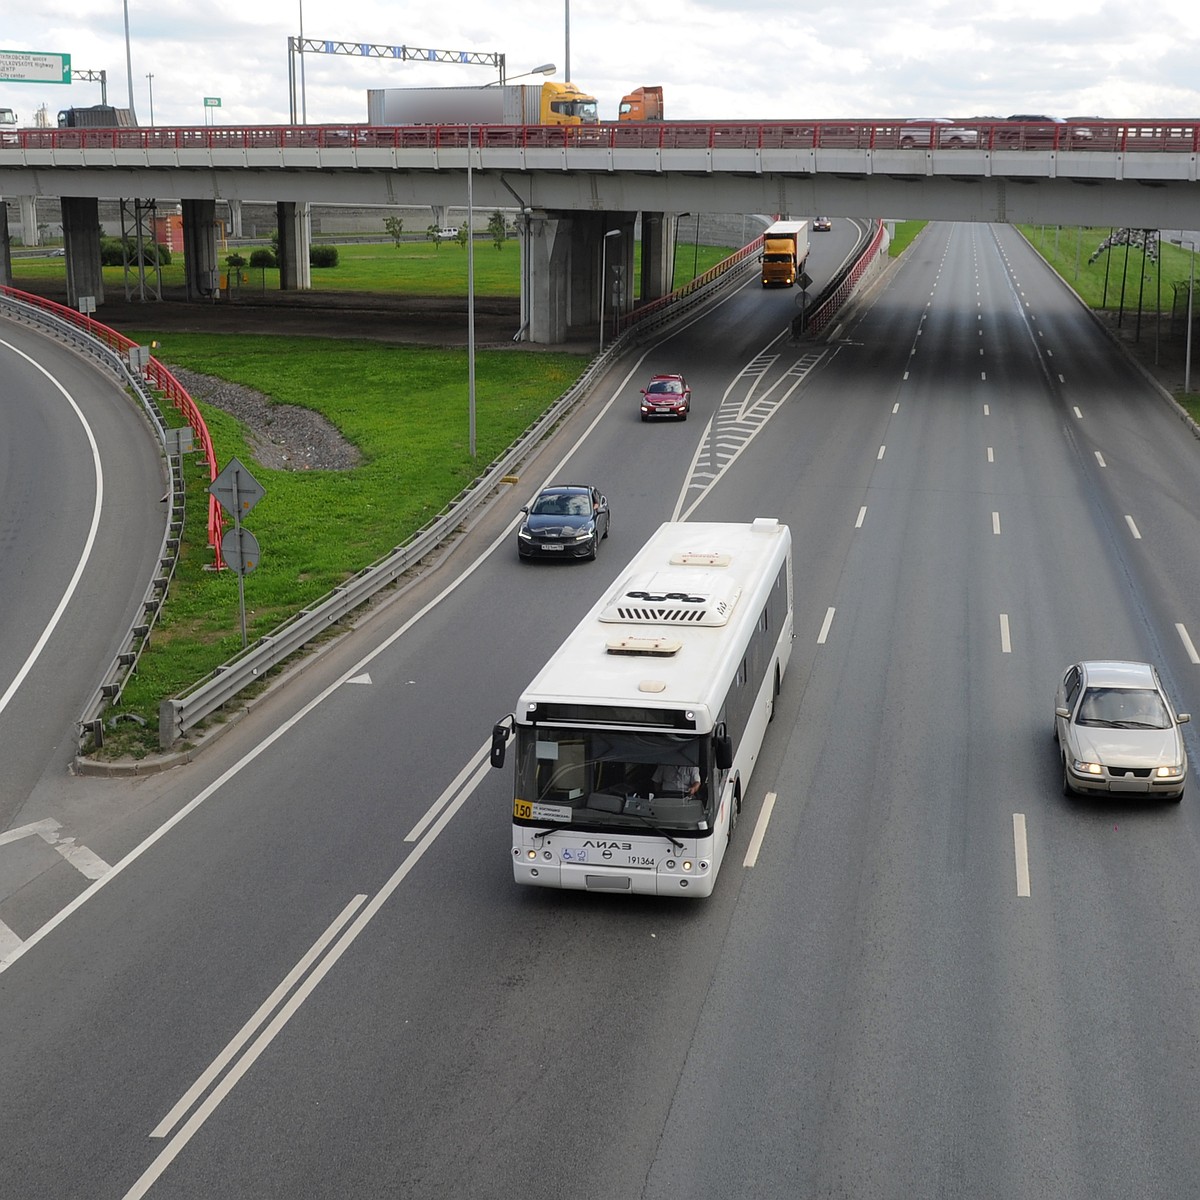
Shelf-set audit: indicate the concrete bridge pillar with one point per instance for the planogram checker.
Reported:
(202, 273)
(658, 254)
(295, 239)
(81, 237)
(235, 218)
(564, 254)
(6, 275)
(31, 235)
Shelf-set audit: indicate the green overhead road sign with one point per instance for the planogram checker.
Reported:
(32, 66)
(212, 101)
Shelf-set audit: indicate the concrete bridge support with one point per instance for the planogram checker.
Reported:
(81, 237)
(31, 235)
(563, 256)
(6, 275)
(295, 239)
(658, 254)
(202, 275)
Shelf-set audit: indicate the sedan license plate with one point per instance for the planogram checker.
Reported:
(550, 546)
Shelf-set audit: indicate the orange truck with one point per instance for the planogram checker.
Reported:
(785, 248)
(642, 104)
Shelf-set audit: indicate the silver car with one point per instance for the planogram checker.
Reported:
(1118, 732)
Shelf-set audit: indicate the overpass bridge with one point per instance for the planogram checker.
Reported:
(572, 185)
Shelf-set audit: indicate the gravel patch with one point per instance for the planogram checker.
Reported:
(284, 437)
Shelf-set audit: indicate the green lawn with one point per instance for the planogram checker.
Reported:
(405, 408)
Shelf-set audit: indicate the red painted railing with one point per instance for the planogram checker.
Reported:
(160, 377)
(1136, 135)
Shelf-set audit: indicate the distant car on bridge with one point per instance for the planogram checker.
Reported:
(920, 133)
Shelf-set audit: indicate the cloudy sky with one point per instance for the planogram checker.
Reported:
(716, 59)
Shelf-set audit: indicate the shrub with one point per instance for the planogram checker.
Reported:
(323, 256)
(262, 258)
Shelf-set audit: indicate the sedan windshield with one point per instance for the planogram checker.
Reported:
(1123, 708)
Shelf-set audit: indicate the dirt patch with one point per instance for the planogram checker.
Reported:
(284, 437)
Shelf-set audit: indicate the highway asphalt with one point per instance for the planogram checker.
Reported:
(310, 973)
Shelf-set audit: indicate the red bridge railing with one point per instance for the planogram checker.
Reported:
(1140, 135)
(163, 381)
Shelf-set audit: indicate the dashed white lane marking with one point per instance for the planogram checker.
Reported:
(1132, 527)
(862, 516)
(1078, 412)
(1021, 851)
(991, 456)
(996, 523)
(825, 626)
(760, 830)
(1186, 640)
(880, 454)
(987, 411)
(1005, 640)
(1100, 459)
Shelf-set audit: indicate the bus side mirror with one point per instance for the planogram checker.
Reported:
(722, 749)
(500, 735)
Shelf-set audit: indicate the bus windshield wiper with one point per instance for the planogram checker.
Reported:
(661, 832)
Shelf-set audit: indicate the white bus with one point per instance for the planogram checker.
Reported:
(636, 741)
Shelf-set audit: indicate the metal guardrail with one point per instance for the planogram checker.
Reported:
(178, 714)
(135, 641)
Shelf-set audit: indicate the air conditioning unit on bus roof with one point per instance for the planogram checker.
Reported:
(687, 597)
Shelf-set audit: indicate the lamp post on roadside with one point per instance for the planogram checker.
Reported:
(150, 81)
(1187, 355)
(604, 276)
(544, 69)
(129, 64)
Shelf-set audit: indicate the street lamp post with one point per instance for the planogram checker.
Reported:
(1187, 355)
(129, 64)
(544, 69)
(150, 80)
(604, 276)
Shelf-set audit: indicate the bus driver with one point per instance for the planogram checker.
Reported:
(677, 779)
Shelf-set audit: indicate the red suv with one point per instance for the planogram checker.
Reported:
(666, 396)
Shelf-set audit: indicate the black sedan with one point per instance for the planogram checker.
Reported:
(567, 520)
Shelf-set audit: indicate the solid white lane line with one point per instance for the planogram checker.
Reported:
(862, 516)
(1005, 640)
(89, 541)
(264, 1010)
(825, 626)
(1100, 459)
(289, 1009)
(760, 830)
(1021, 851)
(996, 523)
(1187, 643)
(457, 782)
(1132, 527)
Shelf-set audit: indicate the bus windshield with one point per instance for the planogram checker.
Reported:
(614, 777)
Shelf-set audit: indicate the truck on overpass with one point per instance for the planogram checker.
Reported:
(501, 104)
